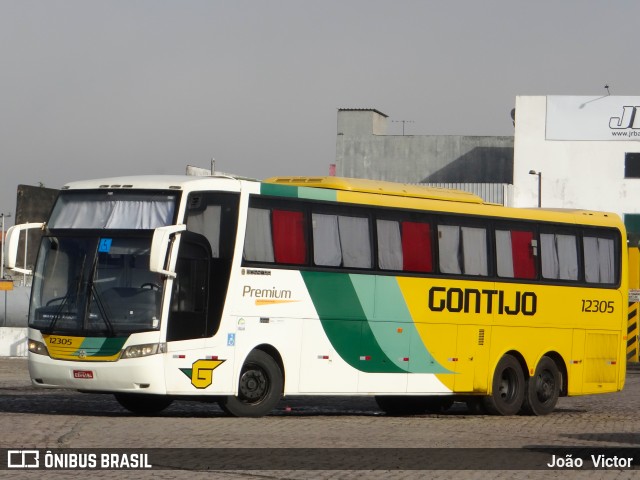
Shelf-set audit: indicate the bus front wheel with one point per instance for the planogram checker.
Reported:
(260, 387)
(543, 388)
(508, 388)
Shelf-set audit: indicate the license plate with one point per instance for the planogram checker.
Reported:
(87, 374)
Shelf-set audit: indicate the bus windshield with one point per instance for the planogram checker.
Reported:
(98, 286)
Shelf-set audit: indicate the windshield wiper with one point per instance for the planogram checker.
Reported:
(103, 312)
(58, 313)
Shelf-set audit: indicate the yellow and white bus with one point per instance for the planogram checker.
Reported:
(157, 288)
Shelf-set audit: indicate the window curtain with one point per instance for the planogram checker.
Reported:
(355, 242)
(288, 237)
(599, 260)
(258, 245)
(524, 262)
(504, 254)
(549, 255)
(474, 250)
(448, 248)
(389, 245)
(416, 247)
(559, 256)
(326, 240)
(114, 214)
(567, 257)
(207, 223)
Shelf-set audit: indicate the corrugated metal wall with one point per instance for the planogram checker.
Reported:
(501, 193)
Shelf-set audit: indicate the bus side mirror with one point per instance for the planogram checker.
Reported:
(162, 237)
(12, 241)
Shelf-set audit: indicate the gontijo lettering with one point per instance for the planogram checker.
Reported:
(472, 300)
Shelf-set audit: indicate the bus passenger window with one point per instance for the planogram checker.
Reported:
(258, 245)
(404, 246)
(389, 245)
(599, 260)
(341, 240)
(326, 240)
(449, 249)
(207, 222)
(559, 255)
(288, 237)
(462, 250)
(416, 247)
(515, 254)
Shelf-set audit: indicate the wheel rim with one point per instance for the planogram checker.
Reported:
(508, 385)
(545, 386)
(254, 385)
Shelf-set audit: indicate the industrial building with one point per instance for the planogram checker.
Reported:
(567, 152)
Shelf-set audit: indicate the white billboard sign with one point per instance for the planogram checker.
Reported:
(593, 118)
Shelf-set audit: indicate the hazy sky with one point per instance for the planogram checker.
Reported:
(119, 87)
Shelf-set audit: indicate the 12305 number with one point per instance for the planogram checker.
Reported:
(597, 306)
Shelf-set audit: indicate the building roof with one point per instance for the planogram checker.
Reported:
(363, 110)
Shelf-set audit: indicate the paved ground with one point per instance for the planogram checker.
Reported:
(34, 418)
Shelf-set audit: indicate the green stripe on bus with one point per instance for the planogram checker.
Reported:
(290, 191)
(396, 332)
(318, 194)
(102, 347)
(278, 190)
(345, 322)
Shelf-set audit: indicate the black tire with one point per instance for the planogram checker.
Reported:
(404, 404)
(260, 387)
(143, 403)
(543, 388)
(508, 388)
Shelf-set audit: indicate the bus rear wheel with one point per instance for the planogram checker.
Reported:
(508, 388)
(543, 388)
(143, 403)
(260, 387)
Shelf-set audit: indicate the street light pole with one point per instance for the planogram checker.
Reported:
(539, 174)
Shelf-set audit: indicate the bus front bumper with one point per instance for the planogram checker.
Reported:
(137, 375)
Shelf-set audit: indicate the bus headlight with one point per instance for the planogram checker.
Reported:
(137, 351)
(37, 347)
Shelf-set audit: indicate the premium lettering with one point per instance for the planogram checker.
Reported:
(472, 300)
(273, 292)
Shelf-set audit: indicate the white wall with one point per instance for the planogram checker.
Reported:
(585, 174)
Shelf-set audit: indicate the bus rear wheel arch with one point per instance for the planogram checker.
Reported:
(260, 387)
(508, 388)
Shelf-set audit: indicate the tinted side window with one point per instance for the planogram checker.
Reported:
(559, 256)
(340, 240)
(404, 245)
(515, 253)
(462, 250)
(599, 259)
